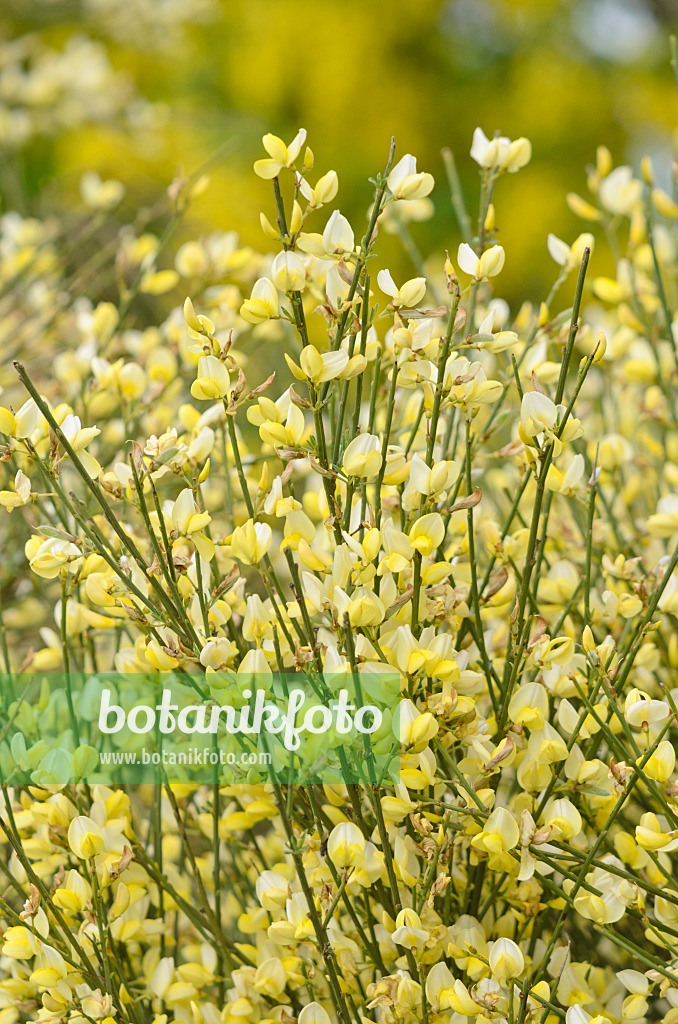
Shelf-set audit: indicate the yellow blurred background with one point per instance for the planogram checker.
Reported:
(190, 78)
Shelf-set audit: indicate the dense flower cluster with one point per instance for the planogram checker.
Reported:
(45, 90)
(415, 479)
(149, 24)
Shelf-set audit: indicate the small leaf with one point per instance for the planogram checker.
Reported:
(51, 531)
(166, 456)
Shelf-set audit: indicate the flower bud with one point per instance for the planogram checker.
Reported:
(268, 228)
(296, 219)
(489, 219)
(664, 204)
(647, 171)
(582, 208)
(601, 347)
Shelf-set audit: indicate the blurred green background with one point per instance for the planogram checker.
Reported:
(138, 88)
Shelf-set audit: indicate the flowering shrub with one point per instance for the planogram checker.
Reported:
(414, 479)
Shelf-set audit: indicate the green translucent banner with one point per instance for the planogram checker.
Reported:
(116, 728)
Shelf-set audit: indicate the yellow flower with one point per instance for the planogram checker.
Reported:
(640, 710)
(85, 837)
(198, 324)
(279, 154)
(189, 521)
(20, 424)
(272, 890)
(444, 992)
(313, 1013)
(338, 237)
(501, 833)
(563, 818)
(539, 419)
(213, 380)
(413, 728)
(662, 762)
(431, 481)
(74, 895)
(364, 607)
(569, 256)
(257, 622)
(362, 457)
(270, 978)
(20, 944)
(506, 959)
(500, 153)
(346, 845)
(408, 930)
(664, 522)
(653, 833)
(324, 191)
(620, 192)
(529, 706)
(281, 424)
(98, 194)
(263, 303)
(405, 182)
(251, 541)
(186, 516)
(298, 527)
(51, 556)
(217, 654)
(21, 494)
(276, 503)
(50, 968)
(466, 384)
(320, 367)
(566, 481)
(409, 295)
(480, 267)
(547, 746)
(427, 533)
(635, 1005)
(288, 272)
(79, 437)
